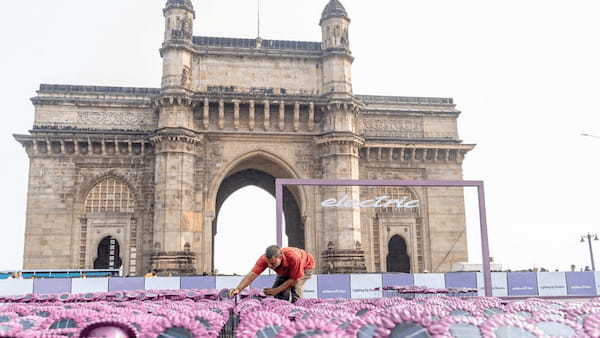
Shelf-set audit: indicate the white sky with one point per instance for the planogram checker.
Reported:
(524, 73)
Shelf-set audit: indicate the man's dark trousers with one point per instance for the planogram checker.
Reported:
(296, 291)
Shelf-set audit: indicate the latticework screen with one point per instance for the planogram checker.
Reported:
(110, 195)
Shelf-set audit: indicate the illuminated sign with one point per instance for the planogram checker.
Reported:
(377, 202)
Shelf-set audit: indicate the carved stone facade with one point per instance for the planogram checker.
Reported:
(230, 113)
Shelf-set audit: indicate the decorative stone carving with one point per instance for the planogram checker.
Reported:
(344, 39)
(130, 120)
(186, 76)
(392, 127)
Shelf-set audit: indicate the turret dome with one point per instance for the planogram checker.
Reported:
(334, 9)
(186, 4)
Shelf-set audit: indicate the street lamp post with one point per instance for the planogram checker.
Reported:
(589, 239)
(589, 236)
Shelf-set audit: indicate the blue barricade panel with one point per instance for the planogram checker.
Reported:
(581, 283)
(461, 280)
(522, 284)
(334, 286)
(263, 281)
(51, 285)
(199, 282)
(126, 284)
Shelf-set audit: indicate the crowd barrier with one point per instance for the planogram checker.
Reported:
(504, 284)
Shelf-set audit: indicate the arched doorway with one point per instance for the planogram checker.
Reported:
(397, 258)
(108, 254)
(252, 177)
(246, 225)
(260, 169)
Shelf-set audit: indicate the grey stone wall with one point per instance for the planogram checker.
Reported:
(283, 108)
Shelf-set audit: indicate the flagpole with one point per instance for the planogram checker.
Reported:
(258, 22)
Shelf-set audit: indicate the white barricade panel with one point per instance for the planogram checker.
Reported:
(15, 287)
(228, 282)
(552, 283)
(311, 288)
(361, 286)
(85, 285)
(499, 284)
(430, 280)
(162, 283)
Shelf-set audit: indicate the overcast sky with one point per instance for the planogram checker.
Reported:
(525, 74)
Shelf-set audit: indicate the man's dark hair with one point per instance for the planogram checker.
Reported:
(272, 251)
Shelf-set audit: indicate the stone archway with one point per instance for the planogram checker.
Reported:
(261, 169)
(398, 259)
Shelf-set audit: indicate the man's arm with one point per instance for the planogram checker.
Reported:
(296, 272)
(286, 285)
(250, 277)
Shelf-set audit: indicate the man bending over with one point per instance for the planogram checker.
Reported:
(293, 267)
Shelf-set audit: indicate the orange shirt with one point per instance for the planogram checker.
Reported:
(294, 262)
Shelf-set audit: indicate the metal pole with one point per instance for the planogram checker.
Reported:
(279, 210)
(485, 248)
(589, 238)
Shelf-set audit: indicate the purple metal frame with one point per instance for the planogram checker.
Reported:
(485, 250)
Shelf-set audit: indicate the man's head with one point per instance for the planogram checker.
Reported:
(273, 255)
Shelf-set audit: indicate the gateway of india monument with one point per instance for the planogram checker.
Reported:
(134, 178)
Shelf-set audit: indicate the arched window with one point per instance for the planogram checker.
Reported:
(110, 195)
(398, 259)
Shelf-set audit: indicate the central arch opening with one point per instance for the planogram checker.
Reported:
(246, 226)
(245, 218)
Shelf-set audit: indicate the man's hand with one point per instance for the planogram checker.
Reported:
(270, 292)
(234, 292)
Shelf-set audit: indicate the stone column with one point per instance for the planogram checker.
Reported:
(341, 229)
(177, 215)
(296, 116)
(281, 115)
(221, 114)
(251, 117)
(267, 115)
(236, 114)
(206, 114)
(311, 116)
